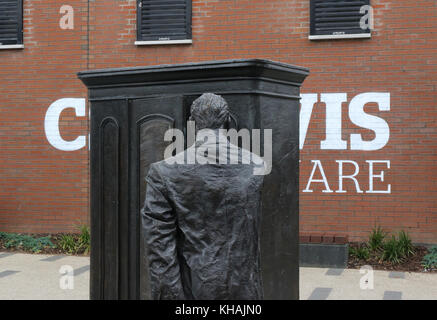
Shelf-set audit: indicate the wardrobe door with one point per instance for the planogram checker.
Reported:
(149, 119)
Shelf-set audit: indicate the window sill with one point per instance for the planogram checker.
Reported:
(152, 43)
(11, 46)
(341, 36)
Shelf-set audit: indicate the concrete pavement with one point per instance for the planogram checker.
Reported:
(351, 284)
(28, 276)
(34, 276)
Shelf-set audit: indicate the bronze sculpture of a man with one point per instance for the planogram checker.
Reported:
(202, 221)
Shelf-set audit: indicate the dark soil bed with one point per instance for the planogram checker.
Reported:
(409, 264)
(54, 238)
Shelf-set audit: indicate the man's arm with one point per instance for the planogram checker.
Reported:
(159, 225)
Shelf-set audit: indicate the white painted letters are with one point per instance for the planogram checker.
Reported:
(341, 176)
(317, 164)
(380, 176)
(333, 139)
(364, 120)
(357, 115)
(307, 102)
(51, 123)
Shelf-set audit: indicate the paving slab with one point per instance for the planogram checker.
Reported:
(392, 295)
(334, 272)
(396, 275)
(320, 294)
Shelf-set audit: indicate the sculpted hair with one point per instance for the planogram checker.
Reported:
(209, 111)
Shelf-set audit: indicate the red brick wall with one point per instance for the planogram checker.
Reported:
(46, 190)
(42, 189)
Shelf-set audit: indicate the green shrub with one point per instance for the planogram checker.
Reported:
(85, 239)
(360, 252)
(73, 244)
(392, 251)
(68, 244)
(376, 239)
(405, 243)
(430, 260)
(25, 242)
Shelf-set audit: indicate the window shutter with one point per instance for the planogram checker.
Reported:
(337, 17)
(11, 22)
(164, 20)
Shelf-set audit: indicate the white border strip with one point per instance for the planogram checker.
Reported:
(341, 36)
(149, 43)
(12, 46)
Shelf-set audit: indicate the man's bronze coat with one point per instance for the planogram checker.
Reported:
(201, 224)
